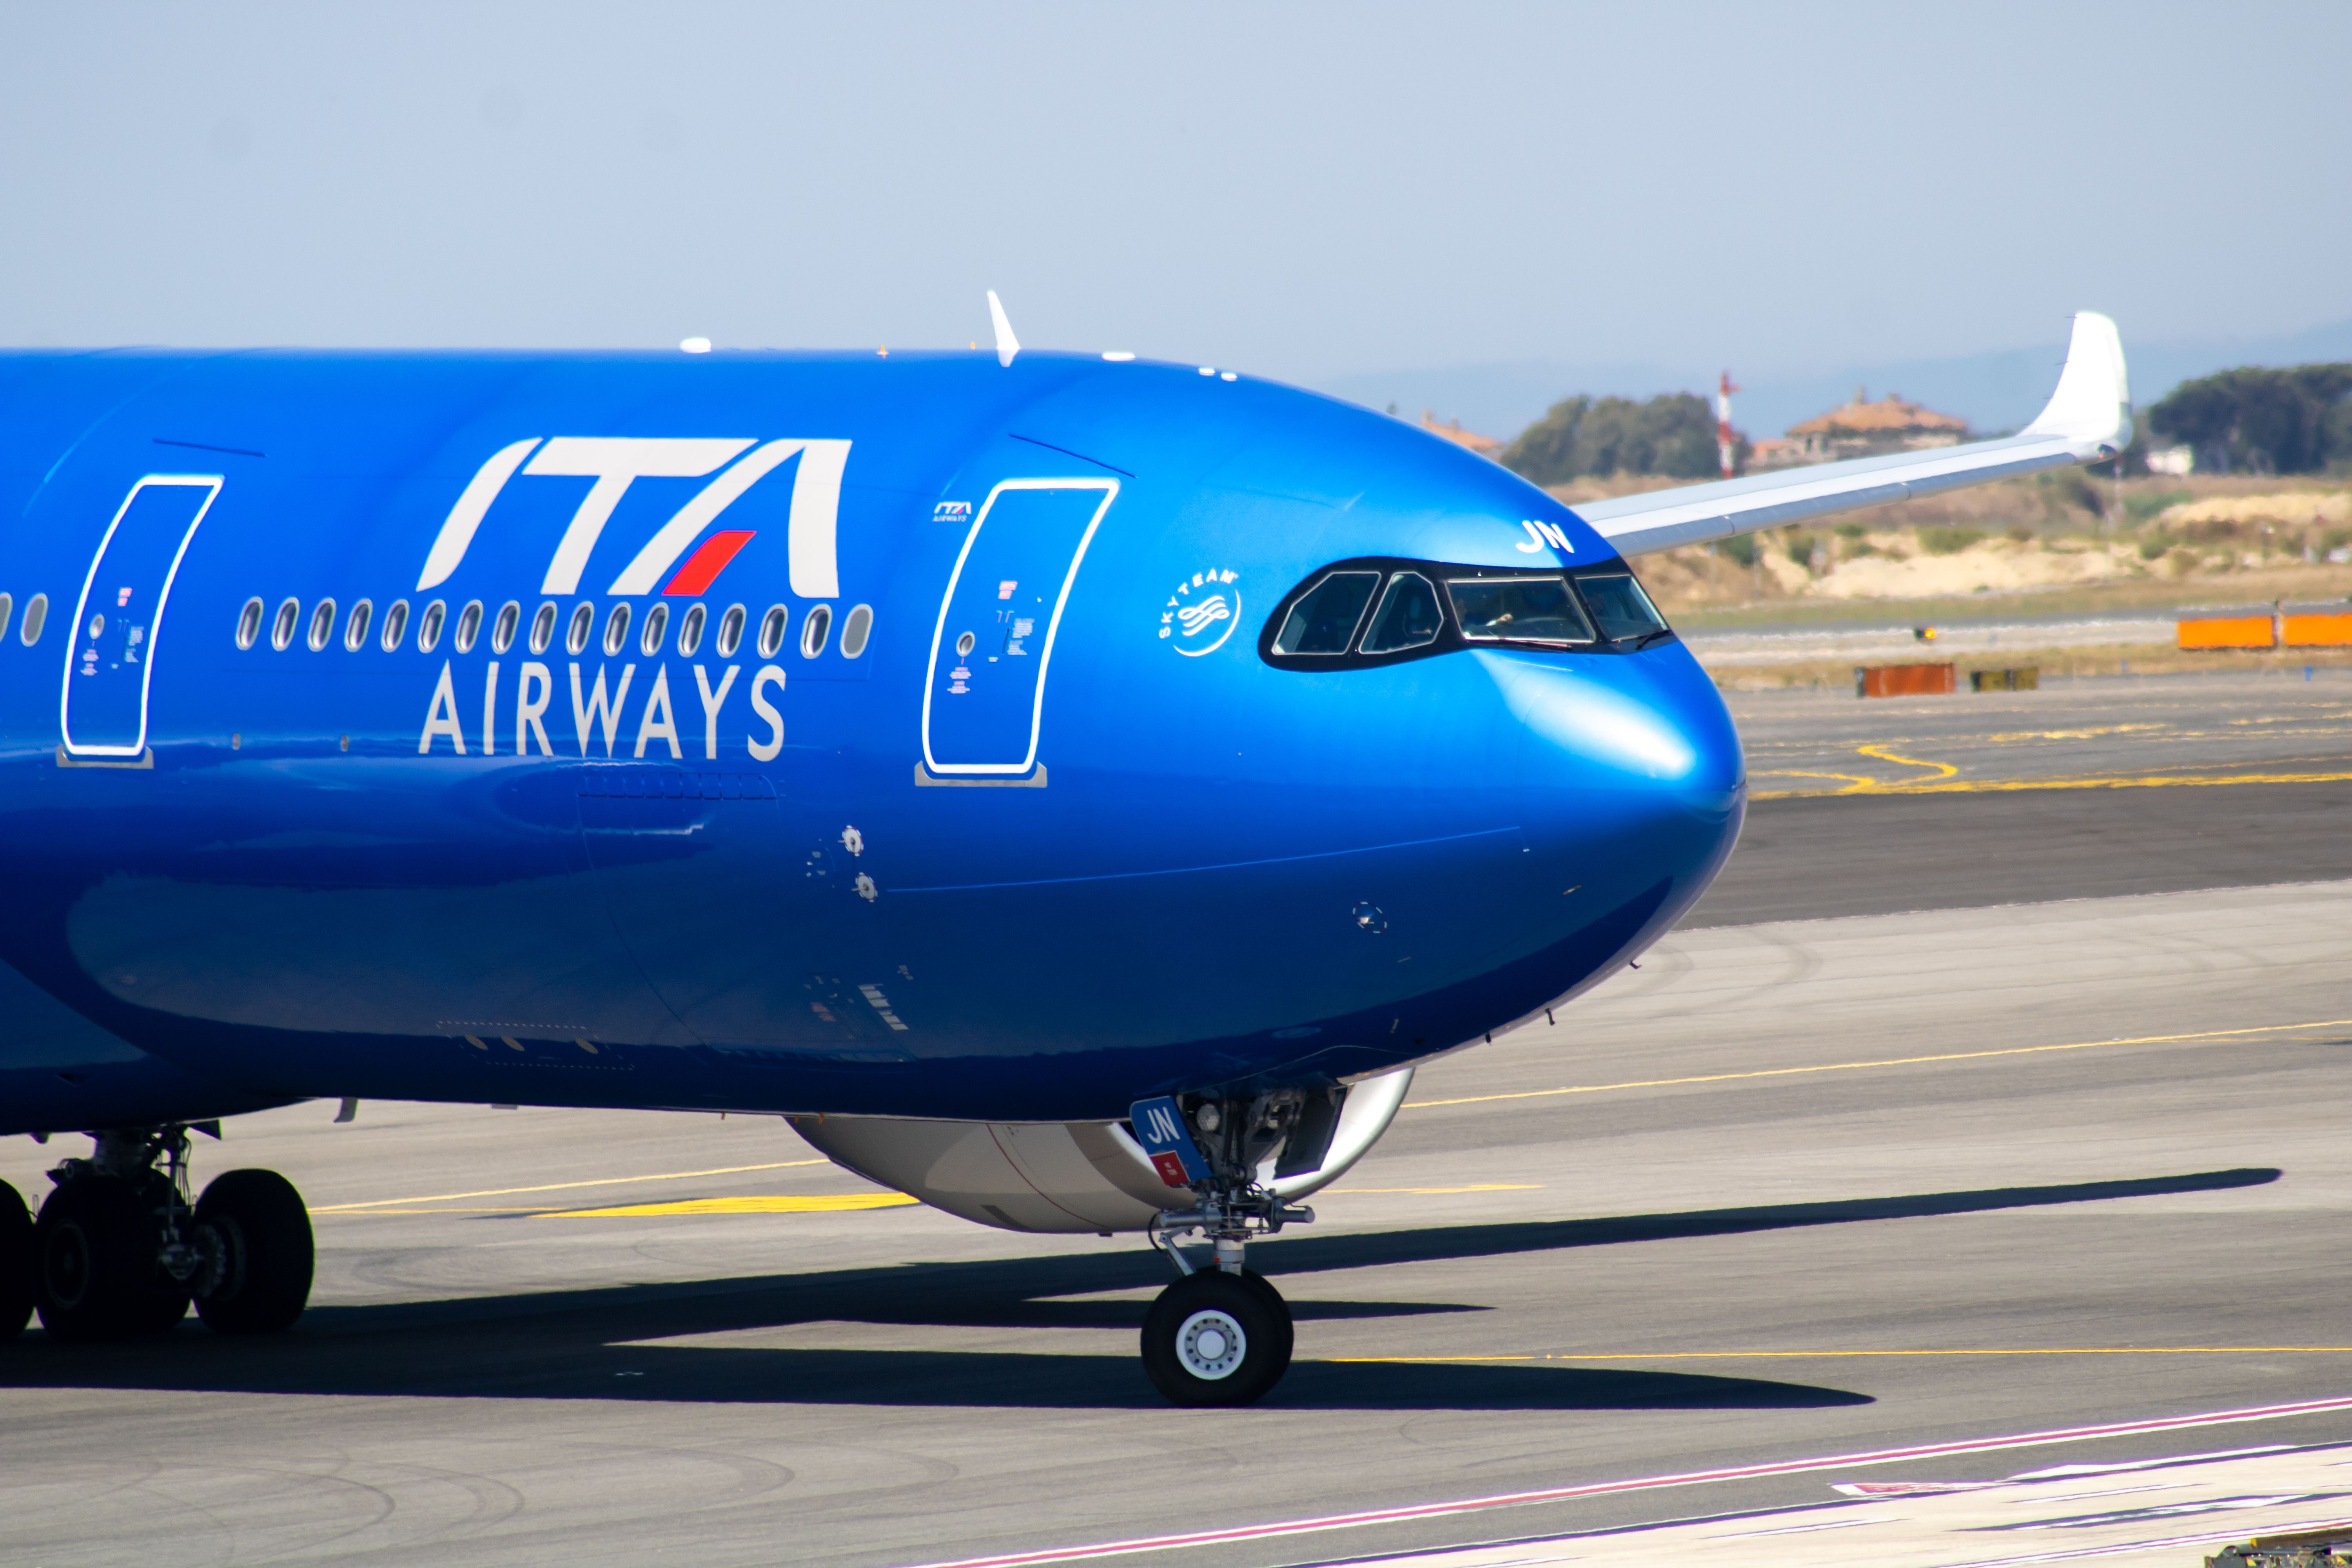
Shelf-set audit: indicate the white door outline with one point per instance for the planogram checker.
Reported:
(212, 482)
(1045, 657)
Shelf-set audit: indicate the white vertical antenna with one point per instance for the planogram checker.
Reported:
(1727, 444)
(1007, 345)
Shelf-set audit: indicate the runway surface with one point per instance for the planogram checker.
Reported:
(2157, 731)
(1987, 1139)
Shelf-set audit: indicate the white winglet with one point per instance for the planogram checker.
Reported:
(2092, 407)
(1007, 345)
(2087, 419)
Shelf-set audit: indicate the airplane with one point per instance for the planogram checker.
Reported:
(1072, 789)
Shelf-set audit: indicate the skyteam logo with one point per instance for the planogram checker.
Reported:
(614, 462)
(1203, 613)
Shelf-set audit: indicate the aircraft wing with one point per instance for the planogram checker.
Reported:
(2087, 420)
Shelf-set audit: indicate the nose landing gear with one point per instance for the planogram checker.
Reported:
(118, 1251)
(1222, 1335)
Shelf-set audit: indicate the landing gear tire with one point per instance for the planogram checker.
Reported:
(96, 1273)
(1214, 1338)
(15, 1264)
(254, 1233)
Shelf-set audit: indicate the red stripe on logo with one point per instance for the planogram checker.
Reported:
(707, 563)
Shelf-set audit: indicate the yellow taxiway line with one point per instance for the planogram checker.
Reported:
(563, 1186)
(829, 1202)
(1996, 786)
(1887, 1062)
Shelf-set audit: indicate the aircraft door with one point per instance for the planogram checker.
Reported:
(117, 625)
(985, 696)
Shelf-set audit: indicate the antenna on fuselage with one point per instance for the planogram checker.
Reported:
(1007, 345)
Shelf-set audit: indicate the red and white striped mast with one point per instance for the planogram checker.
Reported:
(1723, 444)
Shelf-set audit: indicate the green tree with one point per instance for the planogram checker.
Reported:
(1672, 433)
(2271, 421)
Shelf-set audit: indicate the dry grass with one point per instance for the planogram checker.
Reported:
(2047, 543)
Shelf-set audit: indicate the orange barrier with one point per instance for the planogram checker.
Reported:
(2229, 631)
(1905, 680)
(2319, 631)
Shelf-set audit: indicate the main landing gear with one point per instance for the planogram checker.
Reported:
(1222, 1334)
(118, 1251)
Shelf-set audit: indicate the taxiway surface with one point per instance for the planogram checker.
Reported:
(1950, 1156)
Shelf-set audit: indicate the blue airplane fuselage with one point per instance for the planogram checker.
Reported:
(988, 804)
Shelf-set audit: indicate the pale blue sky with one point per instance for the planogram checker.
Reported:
(1309, 192)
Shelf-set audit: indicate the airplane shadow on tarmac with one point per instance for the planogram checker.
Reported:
(589, 1344)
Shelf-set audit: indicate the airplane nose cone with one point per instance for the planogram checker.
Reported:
(1650, 723)
(1632, 781)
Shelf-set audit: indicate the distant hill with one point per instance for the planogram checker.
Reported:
(1996, 390)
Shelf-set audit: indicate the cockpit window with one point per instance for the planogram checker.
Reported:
(1408, 616)
(1518, 609)
(1620, 606)
(1324, 619)
(1384, 611)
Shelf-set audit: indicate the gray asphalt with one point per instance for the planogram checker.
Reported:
(2171, 728)
(1817, 858)
(1693, 1171)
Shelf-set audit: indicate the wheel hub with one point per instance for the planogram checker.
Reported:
(1211, 1344)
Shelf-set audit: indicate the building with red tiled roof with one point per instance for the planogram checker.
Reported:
(1861, 429)
(1484, 446)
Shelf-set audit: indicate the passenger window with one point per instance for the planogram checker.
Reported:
(650, 641)
(584, 621)
(1518, 609)
(248, 623)
(37, 615)
(8, 606)
(772, 630)
(1408, 616)
(1324, 619)
(616, 629)
(1620, 606)
(690, 631)
(856, 627)
(730, 631)
(396, 626)
(281, 631)
(543, 628)
(503, 630)
(815, 629)
(323, 624)
(355, 629)
(428, 626)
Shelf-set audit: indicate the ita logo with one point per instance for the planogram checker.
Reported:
(1203, 612)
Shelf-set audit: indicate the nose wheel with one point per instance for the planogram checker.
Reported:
(1214, 1338)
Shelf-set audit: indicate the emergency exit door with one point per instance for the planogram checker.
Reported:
(112, 657)
(984, 699)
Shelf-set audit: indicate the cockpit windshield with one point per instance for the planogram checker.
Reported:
(1354, 612)
(1619, 604)
(1518, 609)
(1408, 618)
(1324, 619)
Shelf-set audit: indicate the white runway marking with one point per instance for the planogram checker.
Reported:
(2276, 1510)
